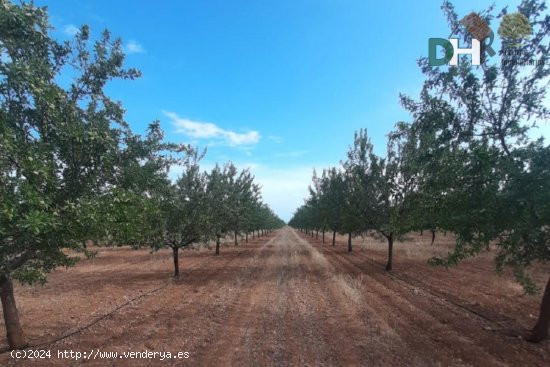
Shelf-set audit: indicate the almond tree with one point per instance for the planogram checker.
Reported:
(359, 181)
(333, 199)
(246, 194)
(268, 219)
(220, 191)
(435, 158)
(180, 218)
(498, 191)
(299, 218)
(320, 203)
(393, 186)
(58, 147)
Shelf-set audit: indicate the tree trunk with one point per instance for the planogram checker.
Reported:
(333, 238)
(540, 331)
(217, 245)
(14, 332)
(175, 253)
(246, 237)
(317, 235)
(390, 252)
(253, 234)
(421, 232)
(323, 236)
(433, 236)
(349, 242)
(236, 240)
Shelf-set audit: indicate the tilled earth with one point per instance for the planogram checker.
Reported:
(281, 300)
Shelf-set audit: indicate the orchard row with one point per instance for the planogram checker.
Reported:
(468, 162)
(72, 171)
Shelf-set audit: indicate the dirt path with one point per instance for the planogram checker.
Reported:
(277, 301)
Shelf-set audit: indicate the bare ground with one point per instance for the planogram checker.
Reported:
(284, 300)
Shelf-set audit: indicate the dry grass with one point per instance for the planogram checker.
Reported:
(319, 258)
(413, 246)
(352, 287)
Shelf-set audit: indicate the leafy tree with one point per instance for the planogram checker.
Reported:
(322, 202)
(135, 208)
(220, 189)
(359, 183)
(304, 218)
(246, 195)
(434, 163)
(333, 199)
(393, 188)
(314, 203)
(268, 219)
(58, 147)
(494, 169)
(181, 217)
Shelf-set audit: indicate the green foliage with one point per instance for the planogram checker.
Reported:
(368, 193)
(181, 218)
(71, 170)
(466, 163)
(234, 203)
(58, 147)
(475, 157)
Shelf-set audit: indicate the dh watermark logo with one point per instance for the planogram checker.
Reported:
(482, 38)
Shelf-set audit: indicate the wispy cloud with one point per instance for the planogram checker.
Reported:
(208, 130)
(134, 47)
(71, 30)
(275, 139)
(292, 154)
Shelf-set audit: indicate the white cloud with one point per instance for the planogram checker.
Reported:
(208, 130)
(71, 30)
(134, 48)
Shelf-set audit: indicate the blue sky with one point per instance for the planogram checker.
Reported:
(277, 86)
